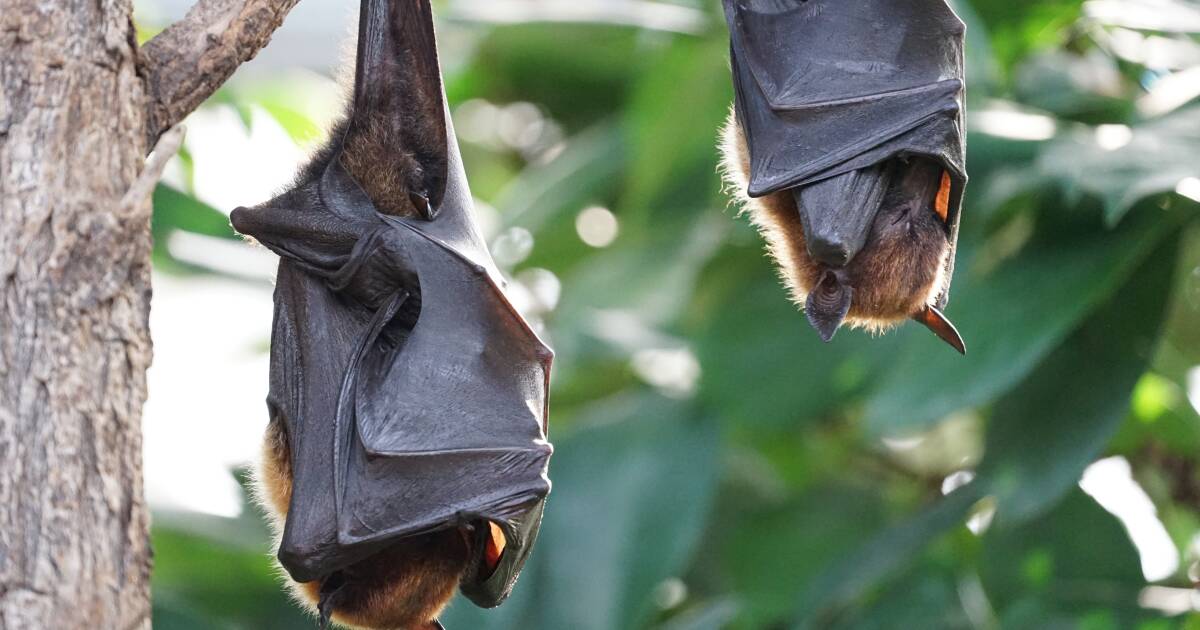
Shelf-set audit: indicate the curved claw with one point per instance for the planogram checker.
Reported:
(940, 325)
(420, 201)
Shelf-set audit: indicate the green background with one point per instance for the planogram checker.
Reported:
(789, 483)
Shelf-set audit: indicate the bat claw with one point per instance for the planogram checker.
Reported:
(940, 325)
(420, 201)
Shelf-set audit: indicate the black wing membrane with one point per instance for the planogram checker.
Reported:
(826, 87)
(413, 393)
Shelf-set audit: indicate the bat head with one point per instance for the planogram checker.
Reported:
(394, 139)
(406, 584)
(867, 248)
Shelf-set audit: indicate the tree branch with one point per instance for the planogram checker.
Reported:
(141, 189)
(188, 61)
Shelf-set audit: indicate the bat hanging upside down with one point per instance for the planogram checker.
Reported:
(845, 147)
(406, 452)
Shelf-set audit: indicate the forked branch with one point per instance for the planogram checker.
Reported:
(189, 60)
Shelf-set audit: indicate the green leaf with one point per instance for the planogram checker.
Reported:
(1070, 562)
(631, 494)
(715, 615)
(175, 210)
(1016, 28)
(1162, 418)
(924, 598)
(1085, 86)
(672, 131)
(838, 588)
(1046, 431)
(298, 126)
(752, 340)
(582, 173)
(198, 577)
(1159, 155)
(579, 72)
(1011, 319)
(1041, 437)
(1155, 158)
(770, 553)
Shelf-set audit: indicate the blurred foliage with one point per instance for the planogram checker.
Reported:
(716, 466)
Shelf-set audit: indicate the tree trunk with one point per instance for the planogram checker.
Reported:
(78, 104)
(74, 307)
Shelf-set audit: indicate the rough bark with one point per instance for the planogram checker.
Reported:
(74, 303)
(193, 57)
(75, 297)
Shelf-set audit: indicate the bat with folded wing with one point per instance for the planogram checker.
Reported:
(406, 454)
(846, 147)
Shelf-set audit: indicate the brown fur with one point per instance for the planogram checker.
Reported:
(385, 151)
(898, 272)
(403, 587)
(386, 172)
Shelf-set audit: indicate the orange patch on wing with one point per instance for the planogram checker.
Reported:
(941, 204)
(495, 546)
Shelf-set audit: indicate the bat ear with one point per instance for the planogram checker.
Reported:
(398, 85)
(935, 321)
(827, 305)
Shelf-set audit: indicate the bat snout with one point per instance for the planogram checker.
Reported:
(829, 249)
(836, 214)
(302, 565)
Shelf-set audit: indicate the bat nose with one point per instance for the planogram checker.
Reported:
(829, 250)
(301, 563)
